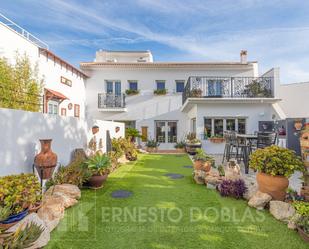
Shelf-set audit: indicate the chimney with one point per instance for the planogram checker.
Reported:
(243, 56)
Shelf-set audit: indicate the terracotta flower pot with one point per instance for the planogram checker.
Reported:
(46, 161)
(96, 181)
(201, 165)
(273, 185)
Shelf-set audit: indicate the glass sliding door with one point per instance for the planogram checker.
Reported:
(172, 132)
(160, 132)
(166, 131)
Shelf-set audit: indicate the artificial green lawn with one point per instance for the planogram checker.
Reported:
(85, 227)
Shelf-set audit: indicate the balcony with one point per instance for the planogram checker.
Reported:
(228, 87)
(111, 102)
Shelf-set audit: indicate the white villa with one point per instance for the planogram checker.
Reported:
(202, 97)
(224, 99)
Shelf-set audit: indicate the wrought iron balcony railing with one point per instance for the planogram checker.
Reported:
(228, 87)
(107, 101)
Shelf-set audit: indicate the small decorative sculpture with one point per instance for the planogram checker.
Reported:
(232, 170)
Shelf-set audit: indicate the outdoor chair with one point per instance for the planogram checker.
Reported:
(265, 139)
(230, 145)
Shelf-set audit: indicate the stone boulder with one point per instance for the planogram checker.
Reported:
(198, 180)
(282, 211)
(252, 188)
(34, 218)
(70, 190)
(68, 193)
(259, 200)
(213, 178)
(52, 211)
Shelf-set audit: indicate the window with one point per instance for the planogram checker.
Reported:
(52, 107)
(214, 88)
(65, 81)
(144, 134)
(207, 127)
(76, 111)
(160, 84)
(166, 131)
(214, 126)
(63, 111)
(113, 87)
(193, 125)
(180, 85)
(231, 124)
(133, 85)
(218, 127)
(241, 125)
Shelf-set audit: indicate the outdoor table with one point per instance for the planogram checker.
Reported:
(247, 139)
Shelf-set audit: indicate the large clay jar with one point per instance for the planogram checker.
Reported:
(273, 185)
(46, 160)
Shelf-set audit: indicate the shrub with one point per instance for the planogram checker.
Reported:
(132, 92)
(191, 138)
(160, 92)
(117, 147)
(132, 133)
(221, 170)
(152, 143)
(302, 217)
(202, 156)
(196, 92)
(124, 146)
(233, 188)
(276, 161)
(301, 208)
(98, 164)
(19, 192)
(74, 173)
(180, 145)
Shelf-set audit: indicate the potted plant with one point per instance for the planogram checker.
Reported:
(131, 92)
(192, 143)
(216, 139)
(152, 145)
(99, 166)
(275, 165)
(202, 161)
(132, 134)
(160, 92)
(301, 219)
(18, 194)
(196, 93)
(180, 147)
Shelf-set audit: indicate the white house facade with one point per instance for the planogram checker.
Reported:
(223, 101)
(63, 84)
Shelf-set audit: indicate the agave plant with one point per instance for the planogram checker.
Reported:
(22, 237)
(5, 212)
(99, 164)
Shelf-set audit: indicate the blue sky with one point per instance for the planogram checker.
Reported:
(275, 32)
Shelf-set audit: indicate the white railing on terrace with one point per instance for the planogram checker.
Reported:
(12, 25)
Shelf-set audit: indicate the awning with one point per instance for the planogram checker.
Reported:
(51, 94)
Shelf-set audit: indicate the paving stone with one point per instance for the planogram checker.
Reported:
(121, 194)
(174, 176)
